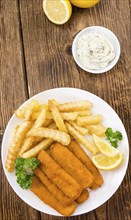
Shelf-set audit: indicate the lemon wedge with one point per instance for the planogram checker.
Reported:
(103, 162)
(105, 148)
(57, 11)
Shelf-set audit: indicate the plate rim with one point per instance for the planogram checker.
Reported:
(75, 89)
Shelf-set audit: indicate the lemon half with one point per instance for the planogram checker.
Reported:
(103, 162)
(57, 11)
(84, 3)
(105, 148)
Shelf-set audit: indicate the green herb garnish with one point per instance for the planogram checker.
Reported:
(113, 137)
(24, 171)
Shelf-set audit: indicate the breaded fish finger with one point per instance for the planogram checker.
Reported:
(68, 185)
(72, 165)
(83, 197)
(56, 192)
(40, 190)
(83, 157)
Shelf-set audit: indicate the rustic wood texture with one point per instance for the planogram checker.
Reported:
(36, 56)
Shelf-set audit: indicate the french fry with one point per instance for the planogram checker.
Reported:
(54, 102)
(33, 106)
(41, 119)
(56, 135)
(84, 113)
(44, 106)
(81, 139)
(14, 134)
(57, 116)
(35, 116)
(35, 150)
(75, 106)
(36, 113)
(90, 120)
(53, 125)
(15, 145)
(20, 112)
(38, 140)
(69, 115)
(49, 115)
(26, 145)
(28, 114)
(82, 130)
(98, 129)
(47, 122)
(27, 111)
(65, 115)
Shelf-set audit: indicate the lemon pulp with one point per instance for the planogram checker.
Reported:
(57, 11)
(105, 148)
(103, 162)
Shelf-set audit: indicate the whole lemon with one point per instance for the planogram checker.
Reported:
(84, 3)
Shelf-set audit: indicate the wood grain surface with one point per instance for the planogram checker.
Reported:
(36, 56)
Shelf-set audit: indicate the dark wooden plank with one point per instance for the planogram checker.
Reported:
(46, 69)
(13, 92)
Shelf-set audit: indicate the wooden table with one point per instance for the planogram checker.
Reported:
(36, 56)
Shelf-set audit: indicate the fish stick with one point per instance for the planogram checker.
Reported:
(77, 150)
(83, 197)
(67, 184)
(56, 192)
(40, 190)
(94, 186)
(72, 165)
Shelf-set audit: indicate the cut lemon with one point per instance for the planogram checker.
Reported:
(105, 148)
(57, 11)
(107, 163)
(84, 3)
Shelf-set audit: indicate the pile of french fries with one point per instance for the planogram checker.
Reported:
(46, 123)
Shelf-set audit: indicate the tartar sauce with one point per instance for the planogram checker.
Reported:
(95, 51)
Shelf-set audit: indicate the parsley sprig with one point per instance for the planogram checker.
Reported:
(113, 137)
(24, 171)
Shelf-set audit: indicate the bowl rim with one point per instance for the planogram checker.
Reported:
(111, 64)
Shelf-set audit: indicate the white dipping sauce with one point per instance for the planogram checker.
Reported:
(95, 51)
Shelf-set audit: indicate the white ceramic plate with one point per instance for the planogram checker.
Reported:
(112, 39)
(112, 179)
